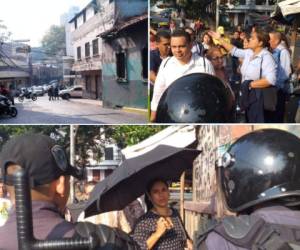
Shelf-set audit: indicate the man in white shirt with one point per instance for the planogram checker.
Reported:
(183, 62)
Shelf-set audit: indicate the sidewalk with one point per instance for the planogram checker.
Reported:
(100, 104)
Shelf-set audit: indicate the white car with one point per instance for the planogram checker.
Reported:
(76, 91)
(38, 90)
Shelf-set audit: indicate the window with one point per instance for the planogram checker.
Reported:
(84, 16)
(121, 66)
(95, 47)
(87, 49)
(78, 53)
(145, 63)
(75, 23)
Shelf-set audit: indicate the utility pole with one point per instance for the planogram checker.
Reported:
(73, 132)
(217, 13)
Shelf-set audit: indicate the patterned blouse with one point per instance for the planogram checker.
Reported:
(173, 239)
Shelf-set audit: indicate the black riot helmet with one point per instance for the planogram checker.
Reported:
(196, 98)
(261, 166)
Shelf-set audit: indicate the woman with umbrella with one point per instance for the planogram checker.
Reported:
(161, 227)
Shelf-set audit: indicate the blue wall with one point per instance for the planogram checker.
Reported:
(134, 92)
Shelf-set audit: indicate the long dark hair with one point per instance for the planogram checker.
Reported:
(150, 185)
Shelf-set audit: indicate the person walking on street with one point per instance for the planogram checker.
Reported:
(51, 93)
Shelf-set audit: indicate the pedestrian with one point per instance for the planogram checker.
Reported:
(197, 47)
(207, 41)
(172, 26)
(157, 55)
(258, 77)
(51, 93)
(56, 92)
(49, 172)
(282, 58)
(237, 42)
(182, 62)
(161, 227)
(265, 200)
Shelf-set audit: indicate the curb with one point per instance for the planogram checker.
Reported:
(136, 110)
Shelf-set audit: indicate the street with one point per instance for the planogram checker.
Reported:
(74, 111)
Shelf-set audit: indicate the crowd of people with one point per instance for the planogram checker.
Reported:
(255, 65)
(53, 93)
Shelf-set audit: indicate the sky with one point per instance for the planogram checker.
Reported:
(30, 19)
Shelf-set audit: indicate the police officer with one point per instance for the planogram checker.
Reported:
(282, 58)
(260, 180)
(49, 172)
(182, 62)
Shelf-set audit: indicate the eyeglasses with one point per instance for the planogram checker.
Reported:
(217, 58)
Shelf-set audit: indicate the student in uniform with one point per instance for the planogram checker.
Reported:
(258, 72)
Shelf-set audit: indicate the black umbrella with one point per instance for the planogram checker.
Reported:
(130, 179)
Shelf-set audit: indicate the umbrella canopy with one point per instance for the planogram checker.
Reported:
(130, 179)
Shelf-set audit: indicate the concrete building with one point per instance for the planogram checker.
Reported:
(125, 64)
(15, 65)
(98, 171)
(98, 20)
(249, 12)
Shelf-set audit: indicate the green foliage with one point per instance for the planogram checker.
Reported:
(95, 138)
(53, 41)
(57, 132)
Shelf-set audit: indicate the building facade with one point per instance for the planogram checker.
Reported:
(93, 56)
(125, 64)
(15, 65)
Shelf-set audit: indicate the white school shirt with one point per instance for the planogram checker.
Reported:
(250, 68)
(171, 69)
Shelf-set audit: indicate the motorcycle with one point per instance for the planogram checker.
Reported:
(6, 107)
(27, 95)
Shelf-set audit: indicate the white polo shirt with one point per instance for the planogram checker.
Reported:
(171, 69)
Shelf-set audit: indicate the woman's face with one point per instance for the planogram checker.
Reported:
(217, 59)
(159, 194)
(206, 39)
(246, 43)
(254, 43)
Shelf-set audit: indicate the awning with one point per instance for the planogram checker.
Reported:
(123, 25)
(176, 136)
(286, 11)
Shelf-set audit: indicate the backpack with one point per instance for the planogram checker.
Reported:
(251, 232)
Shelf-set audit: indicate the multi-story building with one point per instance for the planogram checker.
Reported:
(15, 65)
(98, 21)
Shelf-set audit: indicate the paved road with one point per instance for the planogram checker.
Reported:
(75, 111)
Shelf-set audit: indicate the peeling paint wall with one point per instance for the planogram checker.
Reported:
(134, 92)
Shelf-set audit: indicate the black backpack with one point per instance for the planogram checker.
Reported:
(251, 232)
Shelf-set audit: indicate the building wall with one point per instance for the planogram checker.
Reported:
(133, 93)
(129, 8)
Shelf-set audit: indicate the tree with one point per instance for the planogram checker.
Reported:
(53, 41)
(95, 138)
(59, 133)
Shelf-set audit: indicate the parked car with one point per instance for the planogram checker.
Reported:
(38, 90)
(75, 91)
